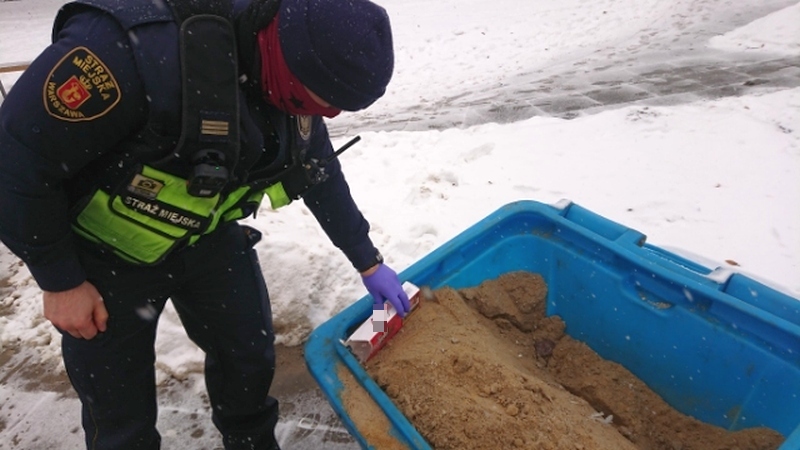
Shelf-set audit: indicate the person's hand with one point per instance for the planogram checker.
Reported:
(382, 283)
(79, 311)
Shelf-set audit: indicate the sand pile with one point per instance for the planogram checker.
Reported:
(484, 369)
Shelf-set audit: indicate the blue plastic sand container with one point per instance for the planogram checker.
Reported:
(724, 349)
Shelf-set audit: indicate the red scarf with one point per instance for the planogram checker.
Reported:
(280, 86)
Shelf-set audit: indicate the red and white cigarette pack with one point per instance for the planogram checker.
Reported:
(365, 342)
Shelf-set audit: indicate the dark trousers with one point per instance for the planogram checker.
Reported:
(219, 292)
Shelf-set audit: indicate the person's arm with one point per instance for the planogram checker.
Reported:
(337, 213)
(334, 208)
(75, 102)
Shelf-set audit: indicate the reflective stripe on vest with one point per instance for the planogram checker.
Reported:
(151, 214)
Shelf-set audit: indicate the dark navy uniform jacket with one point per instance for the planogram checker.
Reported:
(47, 147)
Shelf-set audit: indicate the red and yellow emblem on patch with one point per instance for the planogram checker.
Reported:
(80, 88)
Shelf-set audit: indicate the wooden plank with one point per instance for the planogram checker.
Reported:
(13, 67)
(8, 68)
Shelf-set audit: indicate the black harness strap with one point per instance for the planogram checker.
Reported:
(210, 97)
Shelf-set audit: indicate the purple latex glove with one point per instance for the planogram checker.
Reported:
(383, 285)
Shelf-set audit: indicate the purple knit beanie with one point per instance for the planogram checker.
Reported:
(339, 49)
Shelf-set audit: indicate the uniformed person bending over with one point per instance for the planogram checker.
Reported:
(128, 151)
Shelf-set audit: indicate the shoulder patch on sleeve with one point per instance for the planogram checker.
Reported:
(80, 88)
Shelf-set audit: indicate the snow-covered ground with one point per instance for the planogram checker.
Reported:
(719, 180)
